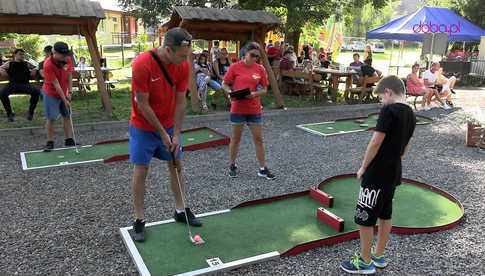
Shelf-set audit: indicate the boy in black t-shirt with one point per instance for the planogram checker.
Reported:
(380, 174)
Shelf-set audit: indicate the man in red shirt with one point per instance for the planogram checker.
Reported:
(57, 91)
(274, 52)
(158, 100)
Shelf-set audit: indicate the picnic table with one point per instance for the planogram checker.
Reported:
(336, 75)
(106, 74)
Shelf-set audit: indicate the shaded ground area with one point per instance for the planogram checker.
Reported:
(66, 220)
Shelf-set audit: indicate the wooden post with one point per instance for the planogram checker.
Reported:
(269, 70)
(90, 35)
(209, 46)
(194, 96)
(238, 45)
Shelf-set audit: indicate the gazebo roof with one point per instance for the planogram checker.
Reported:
(47, 16)
(227, 24)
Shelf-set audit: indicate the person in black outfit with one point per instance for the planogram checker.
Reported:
(47, 54)
(19, 73)
(381, 172)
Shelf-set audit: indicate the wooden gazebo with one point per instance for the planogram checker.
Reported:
(63, 17)
(225, 24)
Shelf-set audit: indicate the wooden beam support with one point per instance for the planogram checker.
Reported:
(194, 95)
(41, 29)
(51, 20)
(219, 35)
(95, 58)
(272, 79)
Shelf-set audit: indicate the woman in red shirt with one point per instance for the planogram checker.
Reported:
(247, 74)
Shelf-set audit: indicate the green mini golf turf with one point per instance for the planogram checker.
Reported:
(279, 226)
(351, 125)
(104, 151)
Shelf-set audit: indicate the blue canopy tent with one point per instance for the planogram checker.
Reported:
(428, 19)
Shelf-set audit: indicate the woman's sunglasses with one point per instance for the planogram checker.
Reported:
(253, 55)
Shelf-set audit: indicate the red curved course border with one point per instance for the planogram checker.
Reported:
(219, 142)
(355, 234)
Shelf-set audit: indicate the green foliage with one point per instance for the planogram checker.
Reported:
(32, 44)
(366, 18)
(153, 11)
(142, 40)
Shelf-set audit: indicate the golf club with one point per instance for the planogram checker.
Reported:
(191, 238)
(72, 129)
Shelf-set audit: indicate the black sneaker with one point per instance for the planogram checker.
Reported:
(139, 230)
(30, 116)
(452, 91)
(180, 217)
(49, 146)
(450, 103)
(266, 173)
(10, 117)
(69, 142)
(233, 171)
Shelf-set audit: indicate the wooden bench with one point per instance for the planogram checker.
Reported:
(364, 91)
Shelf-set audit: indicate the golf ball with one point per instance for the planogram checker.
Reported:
(190, 139)
(60, 156)
(197, 238)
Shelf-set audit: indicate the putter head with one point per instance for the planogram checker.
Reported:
(201, 241)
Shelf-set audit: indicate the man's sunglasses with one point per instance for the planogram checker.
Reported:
(253, 55)
(185, 42)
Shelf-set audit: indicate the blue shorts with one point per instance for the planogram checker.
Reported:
(249, 119)
(147, 144)
(54, 107)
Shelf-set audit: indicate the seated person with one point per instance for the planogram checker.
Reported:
(287, 64)
(293, 56)
(274, 53)
(356, 65)
(432, 77)
(423, 64)
(415, 86)
(367, 71)
(19, 73)
(221, 66)
(203, 78)
(47, 54)
(301, 57)
(326, 63)
(84, 75)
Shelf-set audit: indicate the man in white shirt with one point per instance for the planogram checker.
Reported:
(433, 77)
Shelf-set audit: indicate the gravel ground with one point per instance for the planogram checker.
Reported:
(65, 221)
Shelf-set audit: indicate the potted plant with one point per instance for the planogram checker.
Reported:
(475, 134)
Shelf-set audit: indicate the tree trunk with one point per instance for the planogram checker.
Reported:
(293, 38)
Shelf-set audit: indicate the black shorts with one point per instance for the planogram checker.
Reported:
(374, 202)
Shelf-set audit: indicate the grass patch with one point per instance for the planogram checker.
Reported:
(88, 108)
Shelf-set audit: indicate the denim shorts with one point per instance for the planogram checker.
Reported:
(54, 107)
(249, 119)
(144, 145)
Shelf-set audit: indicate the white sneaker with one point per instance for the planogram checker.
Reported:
(427, 107)
(446, 107)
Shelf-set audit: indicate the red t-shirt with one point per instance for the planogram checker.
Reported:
(52, 72)
(147, 77)
(243, 76)
(275, 51)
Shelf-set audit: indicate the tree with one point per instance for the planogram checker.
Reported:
(297, 13)
(31, 44)
(153, 11)
(367, 18)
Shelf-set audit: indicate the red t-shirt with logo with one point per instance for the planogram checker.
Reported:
(275, 51)
(243, 76)
(52, 72)
(147, 77)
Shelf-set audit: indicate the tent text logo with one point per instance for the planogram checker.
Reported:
(435, 28)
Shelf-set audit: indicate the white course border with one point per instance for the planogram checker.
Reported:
(304, 127)
(26, 168)
(143, 270)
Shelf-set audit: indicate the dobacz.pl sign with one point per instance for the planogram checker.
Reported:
(435, 28)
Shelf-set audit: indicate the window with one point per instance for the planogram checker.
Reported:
(115, 20)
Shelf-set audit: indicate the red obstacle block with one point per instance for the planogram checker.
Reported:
(331, 219)
(322, 197)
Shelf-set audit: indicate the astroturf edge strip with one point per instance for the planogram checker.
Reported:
(135, 255)
(233, 264)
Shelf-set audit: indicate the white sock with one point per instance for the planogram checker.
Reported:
(262, 168)
(178, 211)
